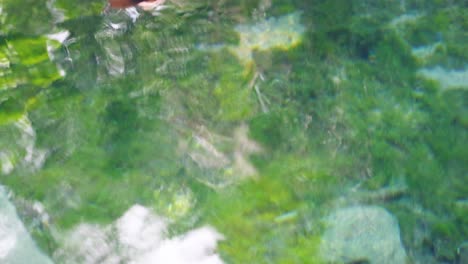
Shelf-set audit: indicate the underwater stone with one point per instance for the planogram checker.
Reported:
(362, 233)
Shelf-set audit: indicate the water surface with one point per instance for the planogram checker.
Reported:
(230, 130)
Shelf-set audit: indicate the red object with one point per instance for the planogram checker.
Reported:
(126, 3)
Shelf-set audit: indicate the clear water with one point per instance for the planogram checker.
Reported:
(234, 132)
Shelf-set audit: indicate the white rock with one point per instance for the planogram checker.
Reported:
(362, 233)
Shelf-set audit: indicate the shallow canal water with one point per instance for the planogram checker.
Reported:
(260, 131)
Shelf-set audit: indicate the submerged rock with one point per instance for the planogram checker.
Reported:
(368, 234)
(16, 245)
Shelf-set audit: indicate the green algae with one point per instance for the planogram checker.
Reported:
(251, 211)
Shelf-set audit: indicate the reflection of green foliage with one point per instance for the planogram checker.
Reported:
(73, 9)
(25, 68)
(28, 17)
(100, 142)
(10, 110)
(28, 51)
(26, 61)
(333, 15)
